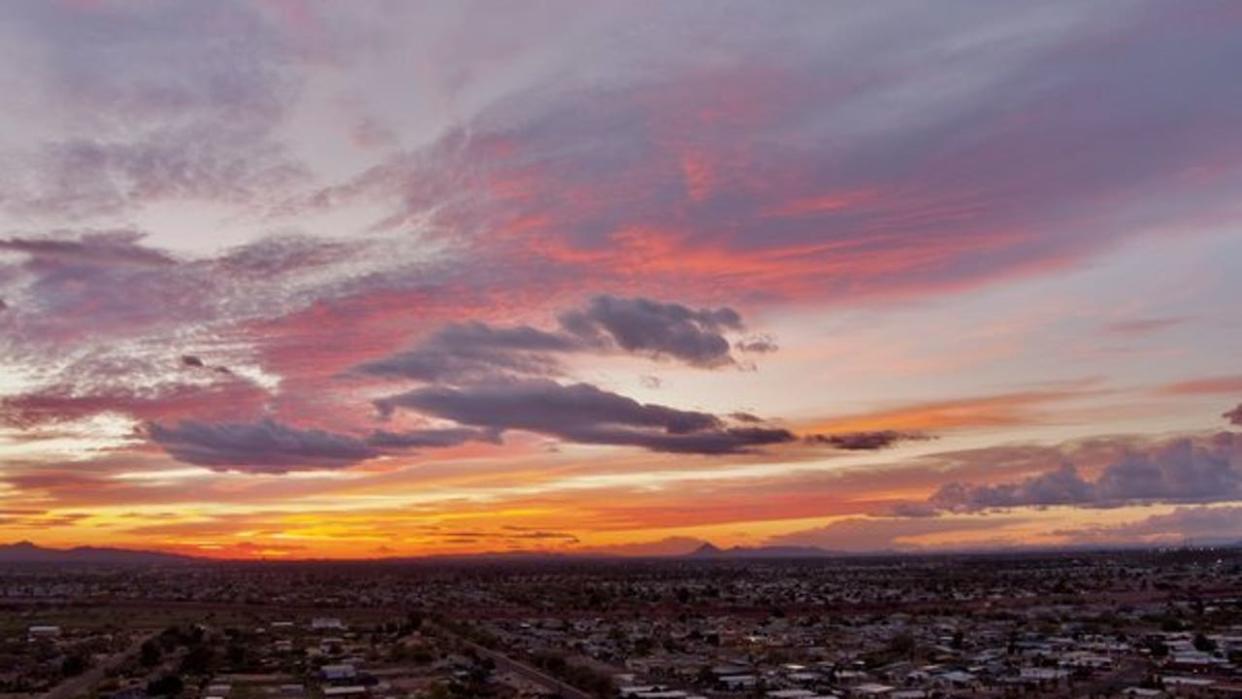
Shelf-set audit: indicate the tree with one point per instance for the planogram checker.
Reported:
(237, 654)
(151, 654)
(902, 644)
(198, 660)
(166, 686)
(73, 665)
(1158, 648)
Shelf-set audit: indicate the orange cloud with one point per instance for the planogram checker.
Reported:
(1001, 410)
(1204, 386)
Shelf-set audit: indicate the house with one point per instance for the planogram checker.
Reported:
(337, 673)
(1186, 686)
(736, 682)
(37, 632)
(345, 691)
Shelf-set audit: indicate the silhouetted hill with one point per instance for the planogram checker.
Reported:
(709, 550)
(26, 552)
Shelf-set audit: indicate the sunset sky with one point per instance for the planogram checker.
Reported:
(362, 279)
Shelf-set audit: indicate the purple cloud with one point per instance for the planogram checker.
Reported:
(476, 351)
(866, 441)
(265, 446)
(1234, 416)
(642, 326)
(583, 414)
(1184, 469)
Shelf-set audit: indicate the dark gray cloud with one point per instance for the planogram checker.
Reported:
(758, 344)
(866, 440)
(476, 351)
(746, 417)
(265, 446)
(658, 330)
(1185, 469)
(495, 379)
(583, 414)
(109, 247)
(1062, 486)
(1234, 416)
(429, 438)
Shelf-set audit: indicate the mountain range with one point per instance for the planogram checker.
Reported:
(26, 552)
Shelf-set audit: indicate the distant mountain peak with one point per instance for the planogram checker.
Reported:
(707, 549)
(710, 550)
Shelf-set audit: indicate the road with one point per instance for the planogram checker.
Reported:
(85, 682)
(506, 664)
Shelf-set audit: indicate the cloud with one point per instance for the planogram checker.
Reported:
(191, 360)
(796, 180)
(429, 438)
(265, 446)
(1060, 487)
(476, 351)
(82, 178)
(996, 410)
(1210, 385)
(746, 417)
(1143, 326)
(583, 414)
(114, 247)
(1234, 416)
(1183, 469)
(86, 285)
(1203, 525)
(863, 534)
(757, 344)
(658, 330)
(225, 396)
(148, 109)
(495, 378)
(867, 440)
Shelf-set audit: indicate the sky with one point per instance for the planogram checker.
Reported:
(285, 279)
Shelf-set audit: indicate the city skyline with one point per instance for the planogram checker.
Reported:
(313, 280)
